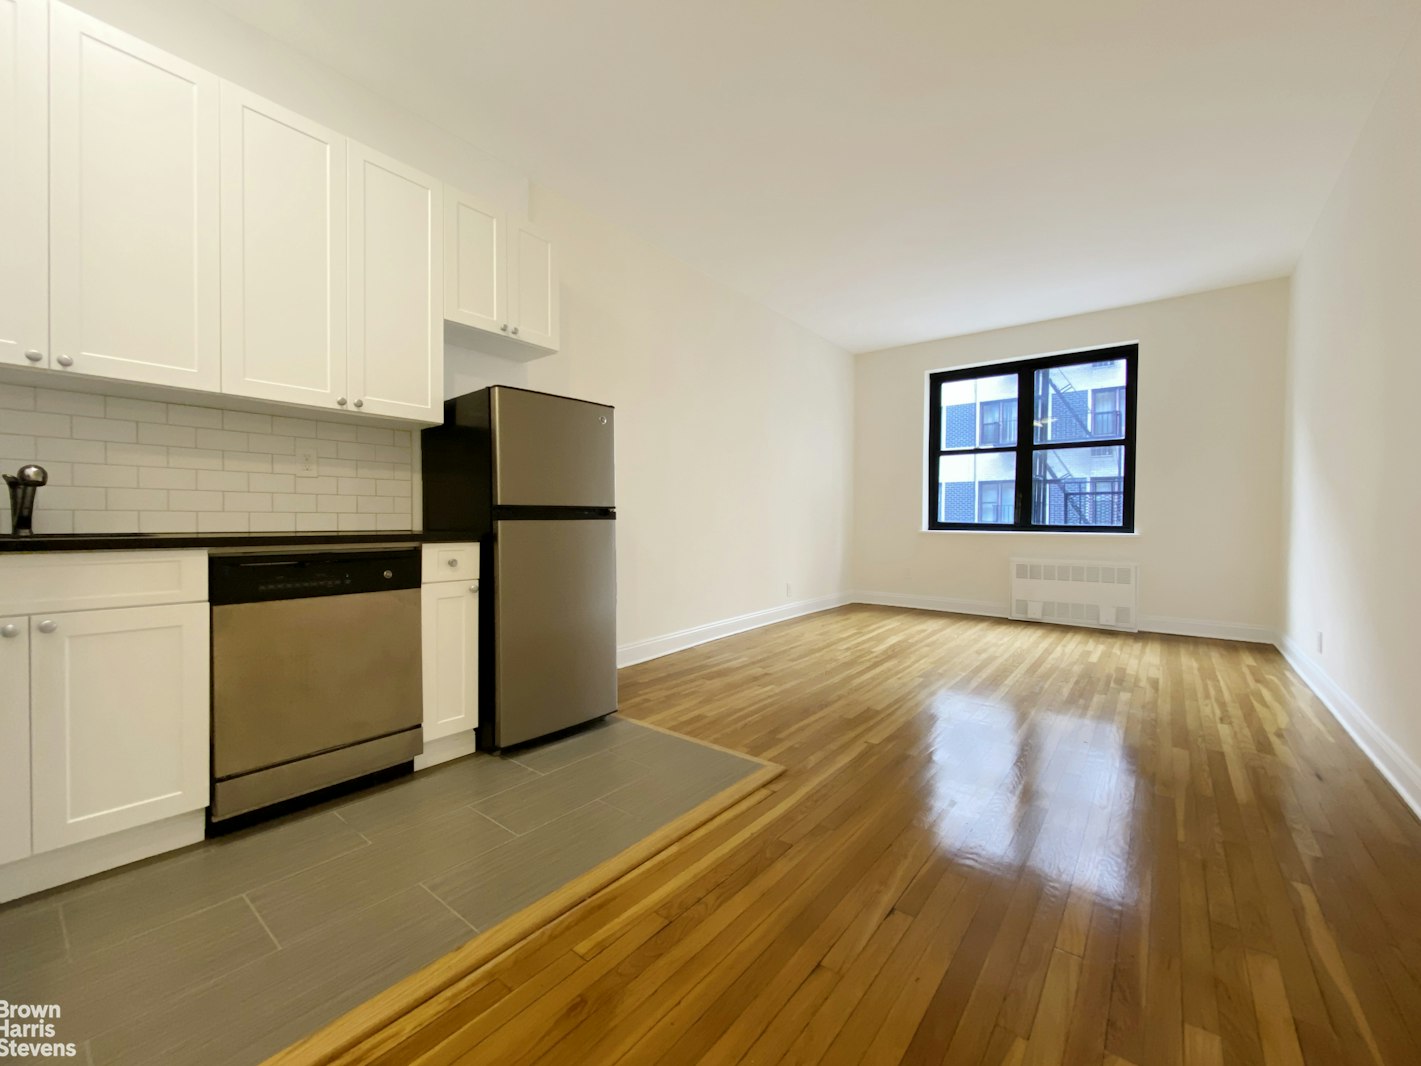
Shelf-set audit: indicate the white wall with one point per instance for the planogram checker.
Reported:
(1207, 487)
(1354, 391)
(734, 426)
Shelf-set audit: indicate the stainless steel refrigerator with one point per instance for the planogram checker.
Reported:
(530, 476)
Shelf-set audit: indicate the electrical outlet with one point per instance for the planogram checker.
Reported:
(1319, 642)
(306, 460)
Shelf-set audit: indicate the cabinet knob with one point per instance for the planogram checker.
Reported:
(453, 562)
(474, 587)
(49, 625)
(515, 331)
(340, 400)
(65, 360)
(34, 356)
(359, 403)
(504, 327)
(8, 630)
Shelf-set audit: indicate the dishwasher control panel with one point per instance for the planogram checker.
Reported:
(297, 575)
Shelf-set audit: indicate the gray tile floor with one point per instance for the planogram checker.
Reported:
(228, 951)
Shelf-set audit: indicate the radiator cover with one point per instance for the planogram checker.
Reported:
(1102, 595)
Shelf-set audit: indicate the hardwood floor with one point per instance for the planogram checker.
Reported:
(993, 843)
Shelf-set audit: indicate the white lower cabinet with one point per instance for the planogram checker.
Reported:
(104, 697)
(14, 738)
(449, 600)
(119, 716)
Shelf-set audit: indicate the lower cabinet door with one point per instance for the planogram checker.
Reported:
(14, 738)
(450, 625)
(119, 717)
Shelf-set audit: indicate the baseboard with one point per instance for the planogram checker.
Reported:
(930, 603)
(655, 647)
(51, 868)
(1395, 765)
(1184, 627)
(1200, 627)
(443, 749)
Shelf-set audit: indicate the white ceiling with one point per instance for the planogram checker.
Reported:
(887, 171)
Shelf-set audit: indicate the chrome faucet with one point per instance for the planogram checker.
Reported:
(22, 497)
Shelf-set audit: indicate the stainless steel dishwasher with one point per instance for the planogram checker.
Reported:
(315, 670)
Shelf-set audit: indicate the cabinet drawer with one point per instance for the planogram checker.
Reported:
(73, 581)
(449, 562)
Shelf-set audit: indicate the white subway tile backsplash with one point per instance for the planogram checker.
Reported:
(101, 429)
(17, 397)
(73, 451)
(161, 477)
(104, 475)
(223, 522)
(271, 482)
(34, 424)
(246, 501)
(69, 403)
(71, 498)
(247, 462)
(270, 442)
(201, 417)
(122, 465)
(16, 446)
(181, 436)
(335, 431)
(105, 521)
(222, 440)
(293, 501)
(194, 500)
(138, 499)
(167, 522)
(195, 458)
(246, 423)
(135, 410)
(274, 523)
(137, 454)
(222, 480)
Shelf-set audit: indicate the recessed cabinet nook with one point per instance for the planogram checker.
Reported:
(166, 228)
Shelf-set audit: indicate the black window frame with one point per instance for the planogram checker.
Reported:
(1026, 445)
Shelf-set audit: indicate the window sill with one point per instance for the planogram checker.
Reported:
(1028, 533)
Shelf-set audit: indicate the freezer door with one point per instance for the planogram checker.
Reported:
(550, 451)
(555, 625)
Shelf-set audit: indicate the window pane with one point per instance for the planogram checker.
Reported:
(979, 412)
(977, 489)
(1081, 402)
(1078, 487)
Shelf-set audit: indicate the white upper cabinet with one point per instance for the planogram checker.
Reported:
(475, 263)
(133, 208)
(396, 364)
(534, 311)
(14, 738)
(283, 254)
(500, 279)
(24, 169)
(117, 743)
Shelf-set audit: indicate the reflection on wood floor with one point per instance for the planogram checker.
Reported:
(994, 843)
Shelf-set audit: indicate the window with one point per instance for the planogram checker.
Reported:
(1074, 471)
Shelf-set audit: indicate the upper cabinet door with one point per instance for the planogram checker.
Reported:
(24, 169)
(283, 254)
(133, 208)
(117, 742)
(475, 254)
(535, 289)
(396, 294)
(15, 738)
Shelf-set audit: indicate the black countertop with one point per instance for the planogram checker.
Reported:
(90, 542)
